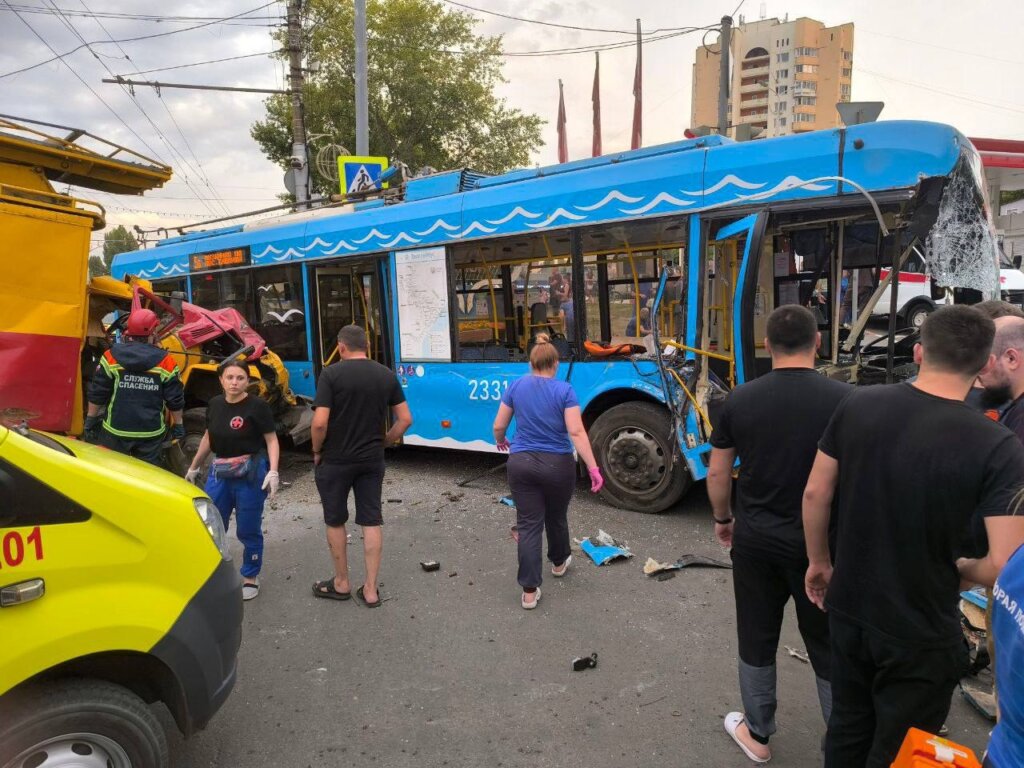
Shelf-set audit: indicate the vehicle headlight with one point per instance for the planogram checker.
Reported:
(211, 518)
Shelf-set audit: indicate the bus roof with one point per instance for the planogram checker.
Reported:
(678, 178)
(66, 160)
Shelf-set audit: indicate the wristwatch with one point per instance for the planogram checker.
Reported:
(721, 522)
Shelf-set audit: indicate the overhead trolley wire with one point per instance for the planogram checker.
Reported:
(151, 17)
(114, 112)
(203, 63)
(631, 32)
(59, 56)
(198, 168)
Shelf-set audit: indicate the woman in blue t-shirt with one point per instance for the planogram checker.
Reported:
(541, 466)
(1006, 748)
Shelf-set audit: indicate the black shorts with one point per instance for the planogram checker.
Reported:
(335, 481)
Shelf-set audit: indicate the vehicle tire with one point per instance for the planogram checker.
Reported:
(916, 313)
(89, 723)
(632, 444)
(181, 460)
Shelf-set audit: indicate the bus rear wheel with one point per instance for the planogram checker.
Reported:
(632, 444)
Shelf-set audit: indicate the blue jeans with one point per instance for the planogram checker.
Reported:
(244, 496)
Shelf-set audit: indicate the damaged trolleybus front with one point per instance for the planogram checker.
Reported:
(654, 270)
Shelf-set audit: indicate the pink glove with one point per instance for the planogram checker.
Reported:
(503, 445)
(596, 480)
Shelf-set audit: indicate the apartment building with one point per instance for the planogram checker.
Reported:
(787, 76)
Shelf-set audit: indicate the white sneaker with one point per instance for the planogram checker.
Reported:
(249, 591)
(558, 571)
(528, 604)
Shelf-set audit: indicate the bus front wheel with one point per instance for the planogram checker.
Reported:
(632, 444)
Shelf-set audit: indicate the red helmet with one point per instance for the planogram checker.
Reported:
(142, 322)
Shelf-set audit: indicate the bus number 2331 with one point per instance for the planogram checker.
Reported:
(486, 389)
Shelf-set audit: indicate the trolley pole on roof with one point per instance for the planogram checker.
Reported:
(724, 44)
(362, 106)
(300, 157)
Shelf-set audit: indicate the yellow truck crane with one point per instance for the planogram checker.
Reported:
(51, 329)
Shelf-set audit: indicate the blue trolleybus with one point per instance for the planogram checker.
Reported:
(654, 271)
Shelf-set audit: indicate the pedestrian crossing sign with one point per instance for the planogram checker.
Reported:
(360, 174)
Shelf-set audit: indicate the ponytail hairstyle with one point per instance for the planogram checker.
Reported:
(543, 356)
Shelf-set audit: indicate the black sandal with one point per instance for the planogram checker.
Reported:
(326, 590)
(375, 604)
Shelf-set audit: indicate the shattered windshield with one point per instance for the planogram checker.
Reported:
(961, 247)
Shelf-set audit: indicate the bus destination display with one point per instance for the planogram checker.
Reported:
(234, 257)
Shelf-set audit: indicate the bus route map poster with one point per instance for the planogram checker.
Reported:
(423, 305)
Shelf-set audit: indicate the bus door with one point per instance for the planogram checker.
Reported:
(730, 296)
(347, 295)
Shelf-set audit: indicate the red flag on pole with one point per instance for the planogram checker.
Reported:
(638, 97)
(595, 98)
(563, 144)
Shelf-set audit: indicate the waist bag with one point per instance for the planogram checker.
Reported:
(233, 468)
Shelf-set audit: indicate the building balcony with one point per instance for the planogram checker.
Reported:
(761, 85)
(760, 101)
(804, 127)
(756, 63)
(807, 77)
(802, 89)
(807, 60)
(761, 70)
(805, 109)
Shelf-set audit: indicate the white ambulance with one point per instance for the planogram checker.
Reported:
(918, 297)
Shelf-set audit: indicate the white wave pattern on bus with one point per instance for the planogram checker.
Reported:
(727, 180)
(661, 197)
(317, 243)
(162, 270)
(517, 211)
(442, 224)
(618, 200)
(559, 213)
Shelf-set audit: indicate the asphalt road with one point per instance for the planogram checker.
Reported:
(450, 671)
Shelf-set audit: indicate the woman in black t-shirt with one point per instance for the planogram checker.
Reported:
(240, 433)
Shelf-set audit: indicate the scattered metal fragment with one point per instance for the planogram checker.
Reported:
(798, 654)
(430, 565)
(584, 662)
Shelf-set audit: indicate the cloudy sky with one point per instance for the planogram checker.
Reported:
(926, 60)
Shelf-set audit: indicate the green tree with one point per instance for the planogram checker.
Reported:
(118, 240)
(431, 84)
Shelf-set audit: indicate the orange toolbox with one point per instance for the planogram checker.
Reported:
(922, 750)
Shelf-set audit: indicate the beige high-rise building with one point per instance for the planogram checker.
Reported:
(787, 76)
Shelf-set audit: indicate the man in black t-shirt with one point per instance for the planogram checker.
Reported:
(909, 464)
(352, 401)
(772, 425)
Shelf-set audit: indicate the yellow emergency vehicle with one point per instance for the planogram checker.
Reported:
(116, 591)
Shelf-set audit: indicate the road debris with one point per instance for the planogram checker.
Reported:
(652, 567)
(430, 565)
(603, 549)
(584, 662)
(798, 654)
(507, 501)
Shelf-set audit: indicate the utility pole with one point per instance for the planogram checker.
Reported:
(300, 157)
(362, 105)
(724, 43)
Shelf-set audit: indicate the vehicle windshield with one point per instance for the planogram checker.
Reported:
(961, 248)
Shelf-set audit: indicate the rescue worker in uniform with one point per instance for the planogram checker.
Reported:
(133, 382)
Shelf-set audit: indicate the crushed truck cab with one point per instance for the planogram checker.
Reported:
(116, 590)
